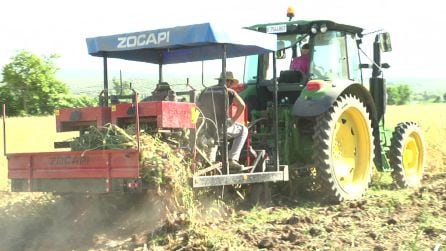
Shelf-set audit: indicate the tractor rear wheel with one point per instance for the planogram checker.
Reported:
(407, 155)
(343, 149)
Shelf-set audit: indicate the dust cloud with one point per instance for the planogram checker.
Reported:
(40, 221)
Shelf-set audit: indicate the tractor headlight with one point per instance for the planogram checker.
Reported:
(314, 28)
(323, 28)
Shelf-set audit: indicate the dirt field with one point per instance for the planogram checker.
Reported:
(385, 219)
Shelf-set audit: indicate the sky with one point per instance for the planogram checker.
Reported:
(46, 27)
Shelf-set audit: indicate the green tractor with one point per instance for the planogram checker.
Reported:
(330, 123)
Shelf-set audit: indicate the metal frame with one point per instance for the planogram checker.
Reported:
(124, 164)
(257, 174)
(242, 178)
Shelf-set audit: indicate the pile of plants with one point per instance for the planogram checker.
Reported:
(164, 167)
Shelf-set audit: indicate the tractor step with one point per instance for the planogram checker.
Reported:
(241, 178)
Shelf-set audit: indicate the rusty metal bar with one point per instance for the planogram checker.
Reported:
(30, 173)
(109, 178)
(105, 81)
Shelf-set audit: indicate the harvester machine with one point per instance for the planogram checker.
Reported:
(165, 113)
(323, 123)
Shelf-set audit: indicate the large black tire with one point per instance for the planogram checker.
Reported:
(343, 149)
(407, 150)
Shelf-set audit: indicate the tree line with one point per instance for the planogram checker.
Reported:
(30, 87)
(401, 94)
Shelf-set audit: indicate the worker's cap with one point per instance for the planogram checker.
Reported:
(229, 76)
(163, 86)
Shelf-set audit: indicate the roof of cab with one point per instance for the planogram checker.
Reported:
(304, 26)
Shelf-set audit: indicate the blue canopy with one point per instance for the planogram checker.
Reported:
(182, 44)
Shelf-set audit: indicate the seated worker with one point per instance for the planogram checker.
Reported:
(235, 130)
(301, 63)
(162, 92)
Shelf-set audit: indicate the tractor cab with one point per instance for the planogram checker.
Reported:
(332, 56)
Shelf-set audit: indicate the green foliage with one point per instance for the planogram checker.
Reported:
(444, 97)
(78, 101)
(31, 88)
(125, 89)
(30, 85)
(426, 97)
(398, 94)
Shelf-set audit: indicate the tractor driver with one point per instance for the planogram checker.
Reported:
(235, 130)
(302, 63)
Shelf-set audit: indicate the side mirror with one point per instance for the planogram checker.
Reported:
(281, 54)
(384, 42)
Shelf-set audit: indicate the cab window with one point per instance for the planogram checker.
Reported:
(250, 76)
(329, 58)
(353, 59)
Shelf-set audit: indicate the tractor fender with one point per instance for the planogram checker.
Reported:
(313, 103)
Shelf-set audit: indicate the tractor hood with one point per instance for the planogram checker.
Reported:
(180, 44)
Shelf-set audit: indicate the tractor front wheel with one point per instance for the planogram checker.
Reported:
(407, 155)
(343, 149)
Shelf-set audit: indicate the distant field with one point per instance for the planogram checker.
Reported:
(28, 134)
(37, 134)
(432, 119)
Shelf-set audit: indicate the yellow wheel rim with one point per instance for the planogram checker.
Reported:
(413, 158)
(351, 150)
